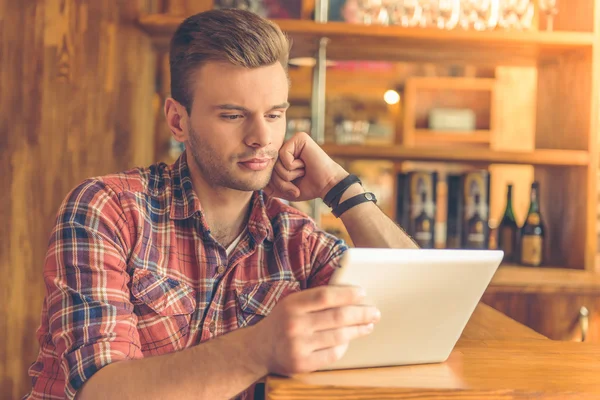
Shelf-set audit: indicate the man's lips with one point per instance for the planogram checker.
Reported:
(256, 164)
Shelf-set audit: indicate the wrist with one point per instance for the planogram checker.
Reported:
(334, 180)
(257, 357)
(352, 191)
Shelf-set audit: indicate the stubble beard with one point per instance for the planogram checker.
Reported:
(223, 175)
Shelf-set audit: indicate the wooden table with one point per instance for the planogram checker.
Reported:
(496, 358)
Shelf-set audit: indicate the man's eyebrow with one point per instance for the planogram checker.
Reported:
(282, 105)
(233, 107)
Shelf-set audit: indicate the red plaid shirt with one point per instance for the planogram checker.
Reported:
(133, 271)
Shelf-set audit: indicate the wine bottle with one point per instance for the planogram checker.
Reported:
(532, 232)
(508, 230)
(476, 228)
(475, 189)
(454, 207)
(424, 226)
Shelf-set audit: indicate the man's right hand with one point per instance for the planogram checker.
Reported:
(310, 329)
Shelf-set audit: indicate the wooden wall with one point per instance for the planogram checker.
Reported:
(76, 89)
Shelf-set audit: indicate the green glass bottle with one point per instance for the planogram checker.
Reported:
(508, 230)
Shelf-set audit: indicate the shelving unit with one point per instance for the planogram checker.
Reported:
(394, 43)
(564, 151)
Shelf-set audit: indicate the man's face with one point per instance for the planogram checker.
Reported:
(237, 124)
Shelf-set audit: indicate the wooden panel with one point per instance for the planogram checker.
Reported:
(563, 205)
(163, 133)
(186, 8)
(566, 86)
(75, 95)
(486, 323)
(559, 316)
(394, 43)
(593, 228)
(555, 315)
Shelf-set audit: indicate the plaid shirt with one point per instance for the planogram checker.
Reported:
(132, 271)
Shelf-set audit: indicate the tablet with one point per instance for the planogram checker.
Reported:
(426, 298)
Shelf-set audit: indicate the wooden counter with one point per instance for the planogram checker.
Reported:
(496, 358)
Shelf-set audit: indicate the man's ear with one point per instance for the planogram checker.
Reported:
(178, 119)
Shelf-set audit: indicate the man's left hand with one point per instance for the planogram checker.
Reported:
(303, 171)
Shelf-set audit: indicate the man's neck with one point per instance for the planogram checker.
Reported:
(226, 210)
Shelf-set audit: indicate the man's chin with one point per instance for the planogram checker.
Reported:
(251, 185)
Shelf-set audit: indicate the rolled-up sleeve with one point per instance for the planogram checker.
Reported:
(88, 320)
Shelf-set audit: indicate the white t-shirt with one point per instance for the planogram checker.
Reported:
(233, 244)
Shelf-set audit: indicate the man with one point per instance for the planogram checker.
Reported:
(190, 281)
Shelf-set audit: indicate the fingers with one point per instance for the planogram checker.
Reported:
(344, 317)
(321, 358)
(326, 297)
(336, 337)
(286, 188)
(290, 152)
(289, 175)
(281, 180)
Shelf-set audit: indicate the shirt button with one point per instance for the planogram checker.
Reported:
(220, 270)
(212, 327)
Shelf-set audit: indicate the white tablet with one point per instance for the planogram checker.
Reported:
(426, 298)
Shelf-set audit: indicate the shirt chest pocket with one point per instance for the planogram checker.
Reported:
(256, 301)
(164, 307)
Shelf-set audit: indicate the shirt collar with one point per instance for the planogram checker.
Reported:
(185, 203)
(259, 223)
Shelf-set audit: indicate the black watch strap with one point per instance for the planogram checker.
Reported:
(352, 202)
(332, 198)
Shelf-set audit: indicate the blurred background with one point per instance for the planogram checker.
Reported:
(475, 122)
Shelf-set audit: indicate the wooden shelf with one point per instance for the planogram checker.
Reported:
(428, 137)
(395, 43)
(453, 83)
(400, 153)
(514, 279)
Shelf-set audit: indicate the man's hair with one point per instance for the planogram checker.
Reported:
(239, 37)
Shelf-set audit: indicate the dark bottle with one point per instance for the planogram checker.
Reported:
(424, 226)
(476, 228)
(508, 230)
(532, 232)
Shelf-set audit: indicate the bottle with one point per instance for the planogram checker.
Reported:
(532, 232)
(476, 228)
(423, 226)
(508, 230)
(454, 207)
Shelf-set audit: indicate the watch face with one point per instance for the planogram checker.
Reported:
(369, 196)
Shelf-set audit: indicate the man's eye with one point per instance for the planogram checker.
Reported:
(273, 116)
(231, 117)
